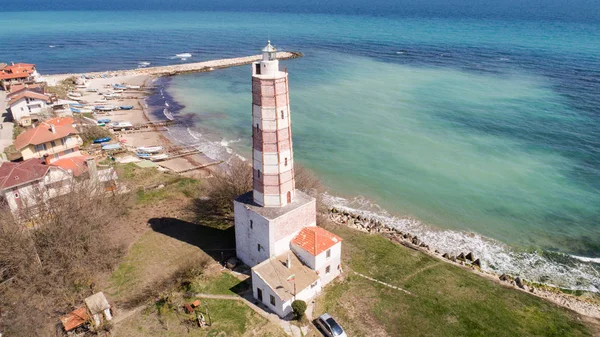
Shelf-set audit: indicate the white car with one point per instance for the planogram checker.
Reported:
(329, 326)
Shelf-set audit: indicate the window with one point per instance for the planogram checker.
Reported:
(56, 156)
(53, 143)
(327, 269)
(259, 173)
(285, 161)
(259, 294)
(259, 247)
(40, 147)
(62, 141)
(16, 195)
(282, 114)
(328, 254)
(250, 224)
(258, 69)
(272, 300)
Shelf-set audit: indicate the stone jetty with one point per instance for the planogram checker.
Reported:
(177, 69)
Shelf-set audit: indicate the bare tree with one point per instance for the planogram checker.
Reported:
(228, 184)
(50, 258)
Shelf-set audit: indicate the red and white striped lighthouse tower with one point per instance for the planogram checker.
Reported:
(273, 155)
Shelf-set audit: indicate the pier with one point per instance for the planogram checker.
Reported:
(177, 69)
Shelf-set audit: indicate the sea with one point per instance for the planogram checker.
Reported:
(475, 128)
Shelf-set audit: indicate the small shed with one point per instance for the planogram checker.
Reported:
(99, 308)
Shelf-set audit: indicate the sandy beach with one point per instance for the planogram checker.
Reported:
(191, 165)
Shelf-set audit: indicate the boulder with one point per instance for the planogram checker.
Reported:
(519, 283)
(469, 256)
(446, 256)
(416, 241)
(504, 277)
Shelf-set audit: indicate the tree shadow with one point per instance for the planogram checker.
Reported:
(219, 243)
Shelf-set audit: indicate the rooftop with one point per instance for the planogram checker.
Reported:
(76, 165)
(282, 279)
(14, 174)
(315, 240)
(97, 303)
(43, 132)
(19, 70)
(29, 94)
(272, 213)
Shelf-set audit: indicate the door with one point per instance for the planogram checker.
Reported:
(289, 197)
(259, 294)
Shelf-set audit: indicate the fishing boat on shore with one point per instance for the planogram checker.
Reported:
(109, 147)
(103, 120)
(105, 107)
(158, 157)
(101, 140)
(126, 107)
(119, 86)
(149, 149)
(133, 87)
(121, 125)
(143, 155)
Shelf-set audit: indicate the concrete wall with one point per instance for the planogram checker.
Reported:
(247, 238)
(259, 283)
(282, 308)
(334, 262)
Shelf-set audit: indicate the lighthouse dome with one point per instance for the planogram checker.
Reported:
(269, 48)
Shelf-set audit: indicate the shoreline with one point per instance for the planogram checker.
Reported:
(162, 137)
(467, 260)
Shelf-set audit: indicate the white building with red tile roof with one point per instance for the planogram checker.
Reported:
(27, 106)
(17, 73)
(275, 224)
(24, 185)
(53, 139)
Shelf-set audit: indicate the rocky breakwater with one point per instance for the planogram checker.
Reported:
(585, 305)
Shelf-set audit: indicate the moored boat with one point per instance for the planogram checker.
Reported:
(149, 149)
(126, 107)
(115, 146)
(101, 140)
(161, 156)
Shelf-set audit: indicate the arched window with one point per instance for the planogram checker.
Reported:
(282, 114)
(285, 161)
(259, 173)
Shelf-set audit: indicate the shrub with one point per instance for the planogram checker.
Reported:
(299, 307)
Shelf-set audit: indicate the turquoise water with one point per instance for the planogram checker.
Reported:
(478, 134)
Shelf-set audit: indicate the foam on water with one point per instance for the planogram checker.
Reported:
(573, 272)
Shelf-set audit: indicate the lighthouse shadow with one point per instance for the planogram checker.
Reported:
(219, 243)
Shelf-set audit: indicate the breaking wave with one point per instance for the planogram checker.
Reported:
(556, 269)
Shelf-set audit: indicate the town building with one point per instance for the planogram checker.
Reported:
(52, 140)
(24, 185)
(275, 224)
(17, 73)
(27, 106)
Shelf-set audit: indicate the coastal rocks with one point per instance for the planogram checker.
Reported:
(519, 282)
(477, 263)
(416, 241)
(461, 257)
(469, 256)
(504, 277)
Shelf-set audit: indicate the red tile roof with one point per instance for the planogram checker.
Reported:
(75, 318)
(30, 94)
(19, 87)
(19, 70)
(75, 165)
(14, 174)
(43, 133)
(315, 240)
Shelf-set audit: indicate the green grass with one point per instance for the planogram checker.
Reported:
(220, 285)
(449, 301)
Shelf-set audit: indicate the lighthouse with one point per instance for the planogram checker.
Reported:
(268, 217)
(273, 162)
(275, 224)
